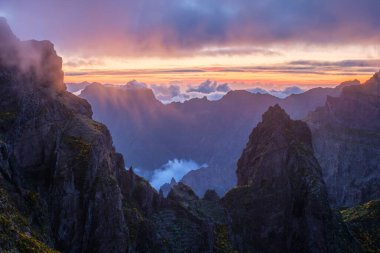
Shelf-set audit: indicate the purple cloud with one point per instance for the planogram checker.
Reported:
(174, 27)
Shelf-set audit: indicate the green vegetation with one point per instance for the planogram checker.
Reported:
(29, 244)
(7, 117)
(222, 242)
(363, 222)
(98, 126)
(16, 234)
(80, 146)
(134, 220)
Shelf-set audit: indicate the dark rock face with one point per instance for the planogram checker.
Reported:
(347, 143)
(269, 146)
(211, 195)
(56, 152)
(186, 222)
(63, 186)
(181, 192)
(281, 204)
(165, 189)
(364, 223)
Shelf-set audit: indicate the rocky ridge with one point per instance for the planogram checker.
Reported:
(281, 197)
(63, 186)
(346, 139)
(208, 132)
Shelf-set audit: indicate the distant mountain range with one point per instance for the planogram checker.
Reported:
(207, 132)
(64, 188)
(346, 137)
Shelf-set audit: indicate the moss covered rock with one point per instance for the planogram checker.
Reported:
(363, 222)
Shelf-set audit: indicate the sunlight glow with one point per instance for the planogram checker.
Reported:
(272, 69)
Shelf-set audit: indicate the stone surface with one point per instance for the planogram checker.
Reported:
(211, 195)
(281, 204)
(364, 223)
(208, 132)
(346, 138)
(63, 186)
(167, 187)
(57, 152)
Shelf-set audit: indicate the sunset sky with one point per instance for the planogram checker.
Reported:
(266, 43)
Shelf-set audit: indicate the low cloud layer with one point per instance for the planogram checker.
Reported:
(168, 93)
(174, 93)
(208, 87)
(279, 93)
(172, 169)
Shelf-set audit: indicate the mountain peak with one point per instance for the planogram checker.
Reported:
(370, 87)
(181, 192)
(373, 84)
(36, 59)
(275, 113)
(276, 137)
(6, 33)
(281, 198)
(348, 84)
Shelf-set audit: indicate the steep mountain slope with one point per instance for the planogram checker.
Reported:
(364, 223)
(281, 204)
(55, 154)
(208, 132)
(63, 186)
(346, 134)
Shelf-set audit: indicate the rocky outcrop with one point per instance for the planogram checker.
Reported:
(281, 204)
(57, 153)
(165, 189)
(211, 195)
(63, 186)
(189, 224)
(364, 223)
(207, 132)
(347, 143)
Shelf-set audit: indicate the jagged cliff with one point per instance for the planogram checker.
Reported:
(63, 186)
(208, 132)
(54, 155)
(281, 204)
(364, 223)
(346, 138)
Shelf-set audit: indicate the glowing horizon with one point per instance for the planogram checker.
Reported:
(292, 66)
(245, 43)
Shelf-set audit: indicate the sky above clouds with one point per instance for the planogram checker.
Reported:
(240, 42)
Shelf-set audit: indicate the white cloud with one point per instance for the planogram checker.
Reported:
(208, 87)
(278, 93)
(173, 169)
(77, 93)
(174, 93)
